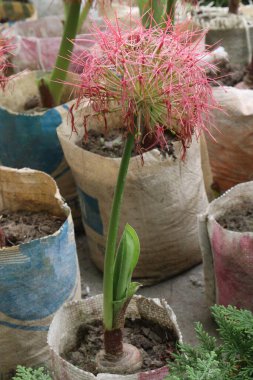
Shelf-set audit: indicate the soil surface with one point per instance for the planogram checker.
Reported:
(111, 144)
(155, 343)
(239, 218)
(23, 226)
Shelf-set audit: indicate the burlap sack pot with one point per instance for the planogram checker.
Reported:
(161, 201)
(227, 255)
(29, 139)
(233, 32)
(231, 154)
(62, 334)
(36, 278)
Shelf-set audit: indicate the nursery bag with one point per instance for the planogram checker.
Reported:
(227, 254)
(36, 278)
(29, 139)
(233, 32)
(231, 148)
(161, 201)
(63, 330)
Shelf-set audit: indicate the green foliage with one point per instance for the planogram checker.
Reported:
(125, 262)
(159, 9)
(231, 359)
(23, 373)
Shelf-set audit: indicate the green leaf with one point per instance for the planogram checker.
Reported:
(125, 262)
(23, 373)
(158, 9)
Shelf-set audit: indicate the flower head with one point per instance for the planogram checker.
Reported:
(152, 76)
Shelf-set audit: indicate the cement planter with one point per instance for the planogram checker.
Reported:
(36, 278)
(62, 334)
(227, 255)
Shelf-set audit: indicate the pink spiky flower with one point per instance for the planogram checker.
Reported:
(152, 76)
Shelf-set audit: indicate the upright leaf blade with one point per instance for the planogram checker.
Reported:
(125, 262)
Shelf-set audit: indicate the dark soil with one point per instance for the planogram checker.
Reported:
(227, 74)
(33, 105)
(239, 218)
(23, 226)
(111, 144)
(155, 343)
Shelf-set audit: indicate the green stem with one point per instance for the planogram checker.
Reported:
(84, 13)
(66, 9)
(59, 74)
(171, 9)
(113, 233)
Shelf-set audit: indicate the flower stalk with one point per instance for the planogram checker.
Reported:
(112, 235)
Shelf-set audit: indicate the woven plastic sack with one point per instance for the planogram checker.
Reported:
(40, 53)
(161, 201)
(62, 334)
(227, 255)
(29, 139)
(228, 30)
(36, 278)
(49, 7)
(50, 26)
(231, 154)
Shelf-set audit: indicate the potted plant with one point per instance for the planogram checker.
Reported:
(142, 74)
(38, 265)
(31, 111)
(229, 358)
(225, 233)
(172, 253)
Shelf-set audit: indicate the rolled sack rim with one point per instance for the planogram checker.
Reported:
(35, 75)
(154, 153)
(160, 302)
(218, 206)
(62, 205)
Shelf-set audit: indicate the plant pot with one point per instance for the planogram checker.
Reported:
(30, 139)
(230, 152)
(161, 201)
(227, 254)
(36, 278)
(62, 333)
(228, 30)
